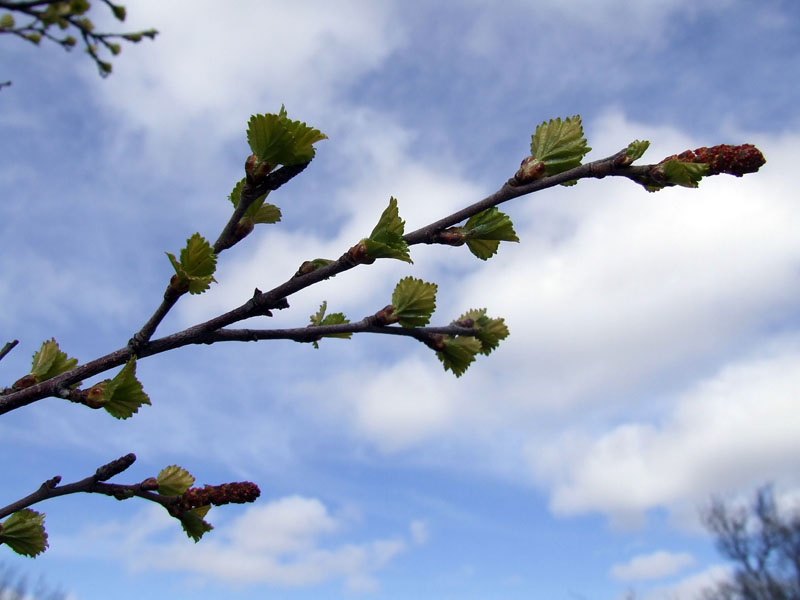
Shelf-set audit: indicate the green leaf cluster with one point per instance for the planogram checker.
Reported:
(174, 481)
(278, 140)
(414, 301)
(24, 532)
(386, 239)
(685, 174)
(195, 271)
(560, 145)
(458, 353)
(7, 21)
(319, 319)
(122, 396)
(258, 211)
(486, 230)
(49, 361)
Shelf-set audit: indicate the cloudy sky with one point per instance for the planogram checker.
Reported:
(654, 354)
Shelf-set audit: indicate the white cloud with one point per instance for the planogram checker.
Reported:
(419, 532)
(652, 566)
(691, 586)
(734, 429)
(279, 543)
(210, 62)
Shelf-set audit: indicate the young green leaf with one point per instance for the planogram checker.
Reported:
(386, 239)
(320, 318)
(174, 481)
(258, 211)
(458, 353)
(414, 301)
(276, 139)
(685, 174)
(635, 150)
(486, 230)
(195, 271)
(49, 361)
(123, 395)
(266, 213)
(488, 331)
(194, 525)
(268, 138)
(560, 145)
(24, 532)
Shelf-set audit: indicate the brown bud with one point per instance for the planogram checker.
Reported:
(150, 484)
(250, 166)
(358, 255)
(25, 382)
(530, 169)
(386, 316)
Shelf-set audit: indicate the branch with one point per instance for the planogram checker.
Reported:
(315, 333)
(263, 302)
(227, 238)
(9, 346)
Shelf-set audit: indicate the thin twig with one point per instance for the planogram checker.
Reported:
(270, 183)
(9, 346)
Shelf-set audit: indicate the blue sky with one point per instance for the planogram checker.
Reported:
(655, 341)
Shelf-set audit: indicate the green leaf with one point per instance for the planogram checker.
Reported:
(266, 213)
(194, 525)
(123, 395)
(276, 139)
(486, 230)
(24, 532)
(458, 353)
(196, 268)
(174, 481)
(49, 361)
(7, 21)
(414, 301)
(559, 144)
(684, 174)
(320, 318)
(258, 211)
(488, 331)
(268, 138)
(635, 150)
(386, 239)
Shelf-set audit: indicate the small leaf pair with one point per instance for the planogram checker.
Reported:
(258, 211)
(482, 233)
(320, 319)
(121, 396)
(386, 239)
(195, 270)
(457, 353)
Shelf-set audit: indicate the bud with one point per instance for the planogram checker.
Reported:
(530, 169)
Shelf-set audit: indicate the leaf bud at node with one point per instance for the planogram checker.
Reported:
(358, 255)
(150, 484)
(386, 316)
(250, 167)
(530, 169)
(25, 382)
(243, 229)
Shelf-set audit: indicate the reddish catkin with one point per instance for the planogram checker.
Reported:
(239, 492)
(734, 160)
